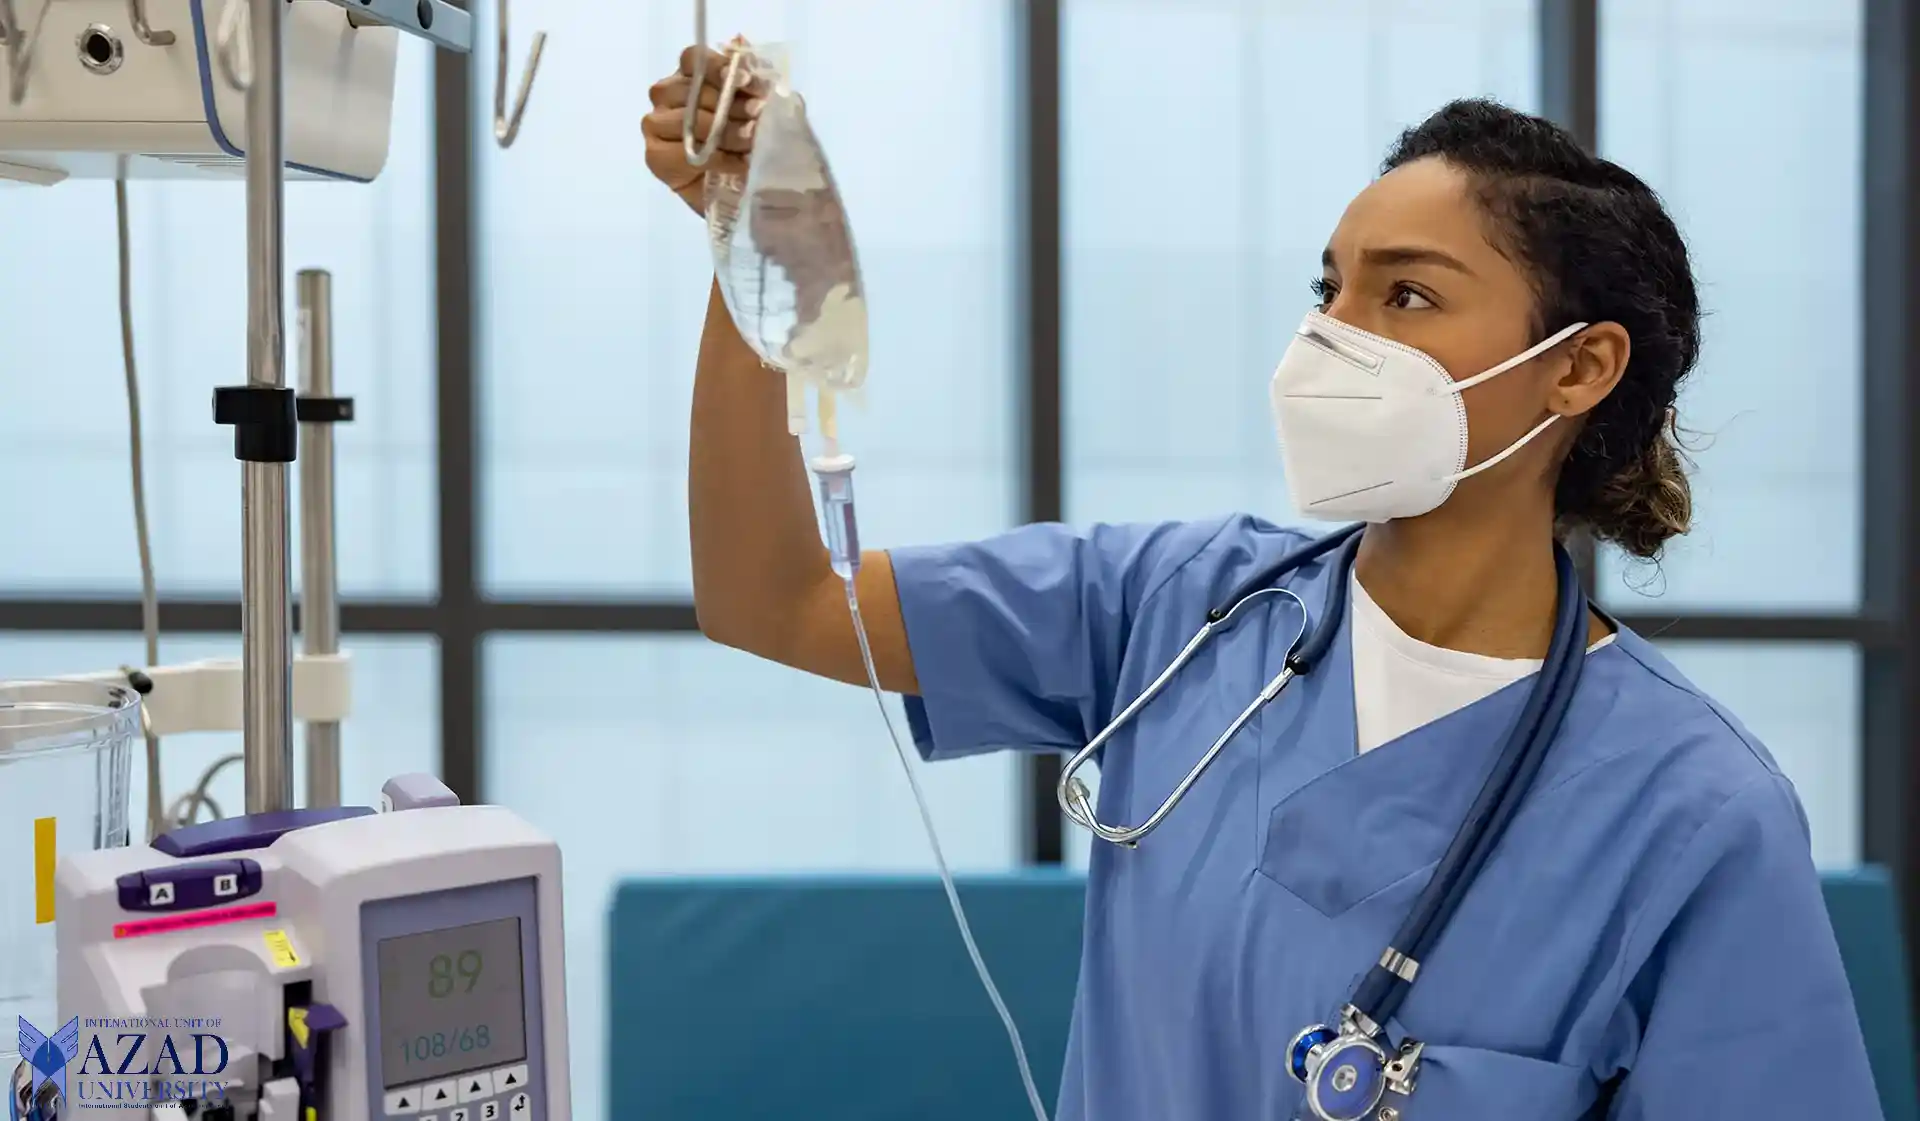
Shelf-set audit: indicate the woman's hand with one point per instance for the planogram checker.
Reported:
(666, 151)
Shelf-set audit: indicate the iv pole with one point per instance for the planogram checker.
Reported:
(319, 579)
(266, 406)
(266, 621)
(266, 416)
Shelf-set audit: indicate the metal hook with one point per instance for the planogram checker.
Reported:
(698, 155)
(506, 126)
(228, 44)
(137, 15)
(19, 48)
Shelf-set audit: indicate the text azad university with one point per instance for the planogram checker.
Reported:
(152, 1059)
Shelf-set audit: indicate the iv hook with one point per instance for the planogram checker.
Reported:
(699, 154)
(229, 45)
(19, 47)
(137, 15)
(506, 126)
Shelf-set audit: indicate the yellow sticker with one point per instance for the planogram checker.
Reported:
(297, 1024)
(44, 852)
(281, 947)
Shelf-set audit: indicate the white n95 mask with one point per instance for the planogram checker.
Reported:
(1371, 429)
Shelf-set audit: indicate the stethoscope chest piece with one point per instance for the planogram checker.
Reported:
(1347, 1073)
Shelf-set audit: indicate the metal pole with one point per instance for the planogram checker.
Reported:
(1570, 97)
(461, 619)
(1040, 302)
(1890, 476)
(266, 623)
(319, 578)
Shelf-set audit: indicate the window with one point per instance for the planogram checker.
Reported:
(595, 282)
(1210, 148)
(65, 420)
(394, 728)
(668, 754)
(1747, 118)
(1195, 208)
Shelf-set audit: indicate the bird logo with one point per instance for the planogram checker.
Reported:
(40, 1083)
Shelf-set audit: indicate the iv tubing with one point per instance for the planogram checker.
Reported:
(843, 545)
(149, 596)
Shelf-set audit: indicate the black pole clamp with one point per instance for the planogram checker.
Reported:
(265, 425)
(325, 410)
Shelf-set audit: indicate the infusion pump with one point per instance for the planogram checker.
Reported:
(146, 89)
(318, 965)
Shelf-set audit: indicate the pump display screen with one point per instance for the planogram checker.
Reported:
(451, 1001)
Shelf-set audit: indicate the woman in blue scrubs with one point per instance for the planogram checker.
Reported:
(1646, 943)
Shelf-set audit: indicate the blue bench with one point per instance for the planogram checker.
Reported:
(852, 999)
(1866, 920)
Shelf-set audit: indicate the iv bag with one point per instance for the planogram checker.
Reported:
(782, 248)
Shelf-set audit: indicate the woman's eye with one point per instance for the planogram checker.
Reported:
(1324, 291)
(1406, 299)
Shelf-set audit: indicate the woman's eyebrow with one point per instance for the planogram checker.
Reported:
(1390, 255)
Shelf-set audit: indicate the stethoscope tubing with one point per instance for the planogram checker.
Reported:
(1382, 991)
(1303, 654)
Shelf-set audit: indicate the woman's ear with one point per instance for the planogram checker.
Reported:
(1596, 359)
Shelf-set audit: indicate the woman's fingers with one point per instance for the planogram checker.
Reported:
(671, 93)
(669, 124)
(726, 163)
(715, 71)
(664, 127)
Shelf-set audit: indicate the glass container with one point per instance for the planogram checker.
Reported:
(66, 760)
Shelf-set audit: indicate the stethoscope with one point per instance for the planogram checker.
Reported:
(1349, 1069)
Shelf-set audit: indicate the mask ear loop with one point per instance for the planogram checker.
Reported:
(1495, 460)
(1526, 355)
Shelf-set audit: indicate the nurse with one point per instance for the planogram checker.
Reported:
(1647, 942)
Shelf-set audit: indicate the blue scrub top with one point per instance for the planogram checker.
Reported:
(1647, 943)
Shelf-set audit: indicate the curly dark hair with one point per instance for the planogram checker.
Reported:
(1598, 246)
